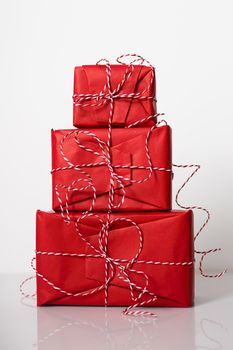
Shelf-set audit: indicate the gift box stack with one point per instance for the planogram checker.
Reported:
(112, 238)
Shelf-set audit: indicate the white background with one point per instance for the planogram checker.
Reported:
(190, 44)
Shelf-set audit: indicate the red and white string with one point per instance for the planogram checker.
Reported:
(125, 267)
(203, 253)
(107, 95)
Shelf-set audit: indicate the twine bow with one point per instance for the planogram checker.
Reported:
(109, 95)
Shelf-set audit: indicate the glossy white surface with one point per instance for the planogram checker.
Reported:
(208, 325)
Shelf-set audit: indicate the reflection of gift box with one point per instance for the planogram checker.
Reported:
(64, 325)
(71, 260)
(133, 95)
(142, 176)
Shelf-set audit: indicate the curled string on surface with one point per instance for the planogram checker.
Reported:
(85, 182)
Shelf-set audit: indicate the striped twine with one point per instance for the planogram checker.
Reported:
(124, 266)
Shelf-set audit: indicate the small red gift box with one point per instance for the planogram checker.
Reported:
(140, 168)
(132, 92)
(145, 258)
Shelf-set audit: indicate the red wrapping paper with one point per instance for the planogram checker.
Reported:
(91, 79)
(167, 237)
(128, 148)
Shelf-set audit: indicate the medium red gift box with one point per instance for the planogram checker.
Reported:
(141, 159)
(145, 251)
(132, 91)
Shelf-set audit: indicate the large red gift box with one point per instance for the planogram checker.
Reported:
(151, 252)
(133, 95)
(141, 159)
